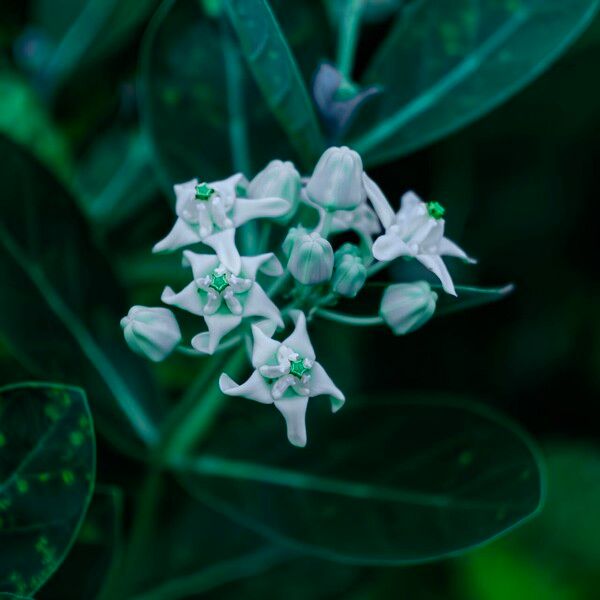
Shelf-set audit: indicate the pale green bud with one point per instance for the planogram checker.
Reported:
(151, 332)
(290, 239)
(349, 276)
(407, 306)
(336, 183)
(277, 180)
(311, 259)
(345, 250)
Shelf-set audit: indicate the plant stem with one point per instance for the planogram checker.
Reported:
(357, 321)
(378, 266)
(348, 36)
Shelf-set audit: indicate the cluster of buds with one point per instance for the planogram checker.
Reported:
(236, 303)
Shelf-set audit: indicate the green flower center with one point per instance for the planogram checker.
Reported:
(218, 281)
(204, 192)
(435, 210)
(297, 368)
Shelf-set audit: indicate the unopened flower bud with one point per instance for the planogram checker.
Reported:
(336, 183)
(151, 332)
(349, 276)
(407, 306)
(277, 180)
(344, 250)
(290, 239)
(311, 259)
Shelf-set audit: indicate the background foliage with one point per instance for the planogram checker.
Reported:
(104, 104)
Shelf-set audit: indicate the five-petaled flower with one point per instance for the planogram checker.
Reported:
(417, 230)
(223, 298)
(211, 212)
(286, 374)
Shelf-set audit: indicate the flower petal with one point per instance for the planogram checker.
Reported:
(267, 263)
(226, 188)
(298, 340)
(183, 193)
(254, 388)
(389, 246)
(321, 384)
(449, 248)
(293, 410)
(258, 304)
(187, 299)
(246, 210)
(219, 325)
(380, 203)
(223, 243)
(436, 265)
(264, 347)
(181, 235)
(201, 264)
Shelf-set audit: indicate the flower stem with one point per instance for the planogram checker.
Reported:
(348, 36)
(354, 320)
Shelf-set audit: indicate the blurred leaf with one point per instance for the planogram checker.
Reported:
(446, 64)
(184, 94)
(24, 119)
(47, 476)
(4, 596)
(277, 74)
(62, 315)
(468, 297)
(380, 483)
(94, 552)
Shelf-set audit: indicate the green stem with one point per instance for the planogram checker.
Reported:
(348, 36)
(354, 320)
(376, 267)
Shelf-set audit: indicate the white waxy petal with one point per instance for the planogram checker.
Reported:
(233, 304)
(380, 203)
(436, 265)
(213, 302)
(254, 388)
(258, 304)
(267, 263)
(280, 387)
(223, 243)
(187, 299)
(205, 222)
(226, 189)
(389, 246)
(274, 371)
(201, 264)
(219, 326)
(264, 347)
(294, 412)
(245, 210)
(239, 285)
(184, 192)
(298, 340)
(181, 235)
(321, 384)
(219, 213)
(449, 248)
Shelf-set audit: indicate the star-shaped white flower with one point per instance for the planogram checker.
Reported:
(416, 230)
(210, 213)
(223, 298)
(286, 374)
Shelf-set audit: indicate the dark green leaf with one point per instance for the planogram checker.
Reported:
(446, 63)
(61, 318)
(468, 297)
(381, 483)
(277, 74)
(95, 550)
(47, 471)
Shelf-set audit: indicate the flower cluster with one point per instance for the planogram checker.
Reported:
(243, 298)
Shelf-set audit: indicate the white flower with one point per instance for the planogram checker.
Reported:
(416, 230)
(287, 375)
(210, 213)
(407, 306)
(223, 298)
(152, 332)
(278, 179)
(362, 219)
(311, 259)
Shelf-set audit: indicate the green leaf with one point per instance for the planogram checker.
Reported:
(379, 483)
(95, 551)
(192, 113)
(47, 471)
(4, 596)
(468, 297)
(61, 318)
(277, 74)
(445, 64)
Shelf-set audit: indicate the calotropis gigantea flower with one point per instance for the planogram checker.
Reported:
(224, 298)
(211, 212)
(406, 307)
(286, 374)
(279, 179)
(152, 332)
(417, 230)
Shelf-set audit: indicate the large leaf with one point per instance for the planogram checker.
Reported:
(95, 550)
(193, 115)
(47, 471)
(277, 74)
(61, 317)
(447, 63)
(382, 483)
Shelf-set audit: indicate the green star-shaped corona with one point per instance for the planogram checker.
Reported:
(218, 281)
(204, 191)
(297, 368)
(435, 210)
